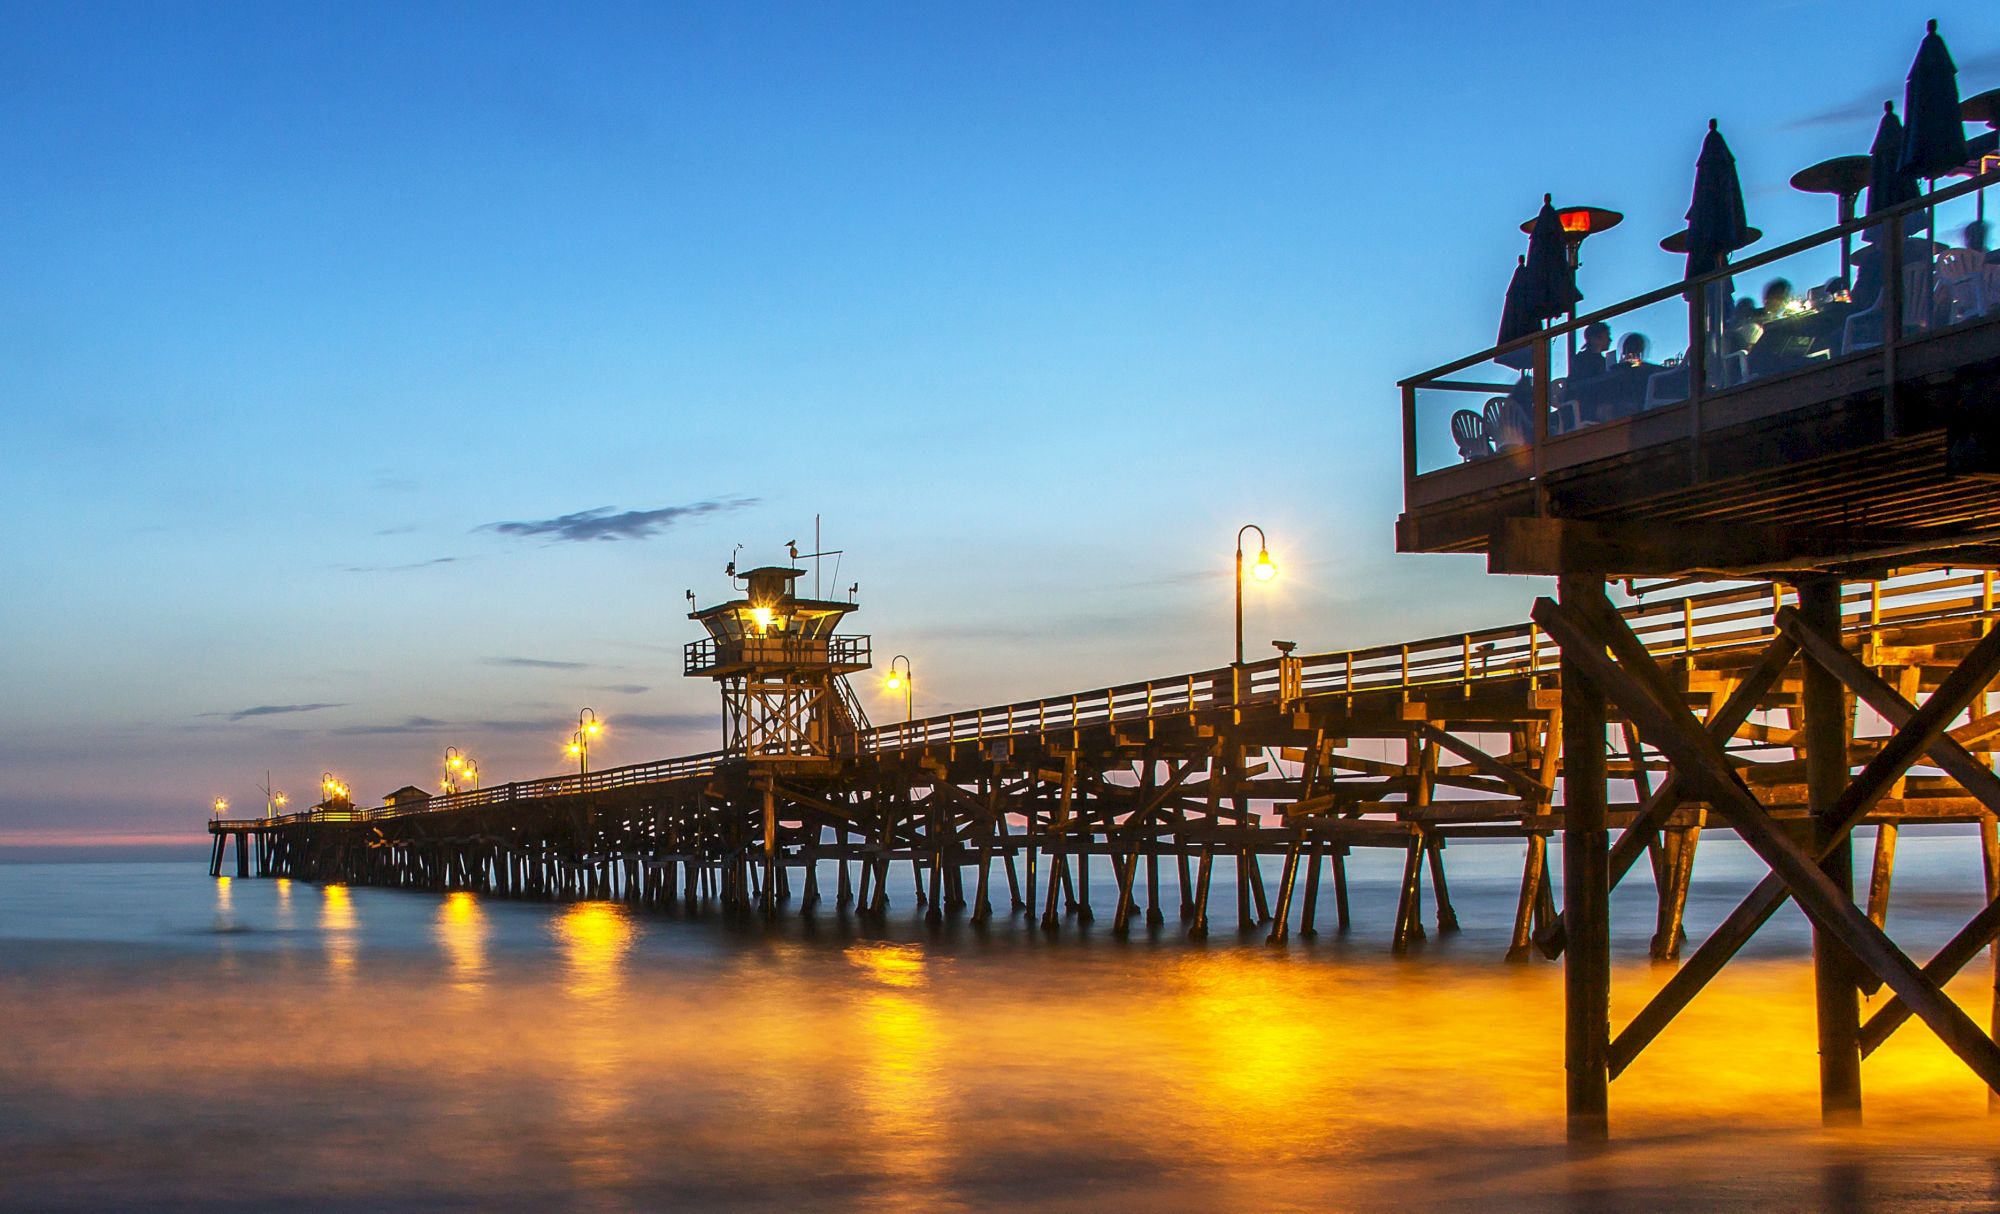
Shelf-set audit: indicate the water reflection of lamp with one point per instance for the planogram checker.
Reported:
(461, 932)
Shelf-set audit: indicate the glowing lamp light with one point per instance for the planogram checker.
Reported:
(220, 805)
(1263, 569)
(593, 728)
(761, 617)
(895, 682)
(575, 748)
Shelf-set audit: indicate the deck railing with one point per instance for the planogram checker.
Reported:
(1526, 435)
(1675, 626)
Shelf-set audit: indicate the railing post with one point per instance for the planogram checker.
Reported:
(1892, 319)
(1697, 369)
(1539, 424)
(1409, 439)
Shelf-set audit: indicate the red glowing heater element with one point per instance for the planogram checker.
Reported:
(1579, 222)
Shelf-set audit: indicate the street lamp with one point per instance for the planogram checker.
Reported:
(901, 682)
(587, 727)
(332, 790)
(454, 762)
(220, 805)
(1263, 569)
(471, 772)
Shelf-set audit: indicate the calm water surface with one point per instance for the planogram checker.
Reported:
(178, 1042)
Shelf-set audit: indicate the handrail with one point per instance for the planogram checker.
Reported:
(1689, 286)
(1681, 626)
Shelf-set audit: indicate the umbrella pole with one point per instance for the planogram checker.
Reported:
(1844, 214)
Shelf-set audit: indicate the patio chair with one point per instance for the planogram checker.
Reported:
(1666, 387)
(1507, 424)
(1961, 292)
(1468, 430)
(1863, 330)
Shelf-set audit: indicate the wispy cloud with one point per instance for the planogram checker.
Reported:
(609, 523)
(407, 725)
(270, 710)
(627, 689)
(1867, 105)
(535, 663)
(436, 560)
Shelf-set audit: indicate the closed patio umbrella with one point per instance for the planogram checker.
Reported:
(1888, 184)
(1551, 282)
(1717, 227)
(1517, 320)
(1933, 127)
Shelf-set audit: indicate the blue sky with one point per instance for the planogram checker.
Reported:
(1033, 303)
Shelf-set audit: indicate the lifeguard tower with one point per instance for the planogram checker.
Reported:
(782, 669)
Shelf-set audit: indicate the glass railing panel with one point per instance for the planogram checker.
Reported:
(1474, 414)
(1788, 315)
(1625, 364)
(1960, 279)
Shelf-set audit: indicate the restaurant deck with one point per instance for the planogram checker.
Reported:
(1856, 459)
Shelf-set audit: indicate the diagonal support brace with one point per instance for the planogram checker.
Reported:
(1702, 763)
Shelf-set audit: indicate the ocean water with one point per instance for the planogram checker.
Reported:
(173, 1041)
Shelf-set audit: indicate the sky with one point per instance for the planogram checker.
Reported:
(378, 378)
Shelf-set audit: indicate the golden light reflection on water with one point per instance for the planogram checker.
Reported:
(461, 932)
(224, 896)
(897, 1082)
(991, 1073)
(596, 938)
(336, 925)
(283, 887)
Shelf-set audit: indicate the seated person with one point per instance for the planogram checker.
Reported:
(1870, 263)
(1590, 362)
(1777, 295)
(1745, 327)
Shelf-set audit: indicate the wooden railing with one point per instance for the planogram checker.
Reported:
(1672, 627)
(1713, 623)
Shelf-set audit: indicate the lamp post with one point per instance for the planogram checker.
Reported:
(454, 762)
(901, 682)
(587, 727)
(221, 805)
(471, 772)
(332, 790)
(1263, 569)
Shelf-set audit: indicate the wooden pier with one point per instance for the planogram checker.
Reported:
(1853, 502)
(1302, 758)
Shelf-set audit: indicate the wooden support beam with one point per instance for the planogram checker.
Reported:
(1586, 880)
(1945, 750)
(1826, 730)
(1698, 759)
(1964, 945)
(1722, 725)
(1662, 548)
